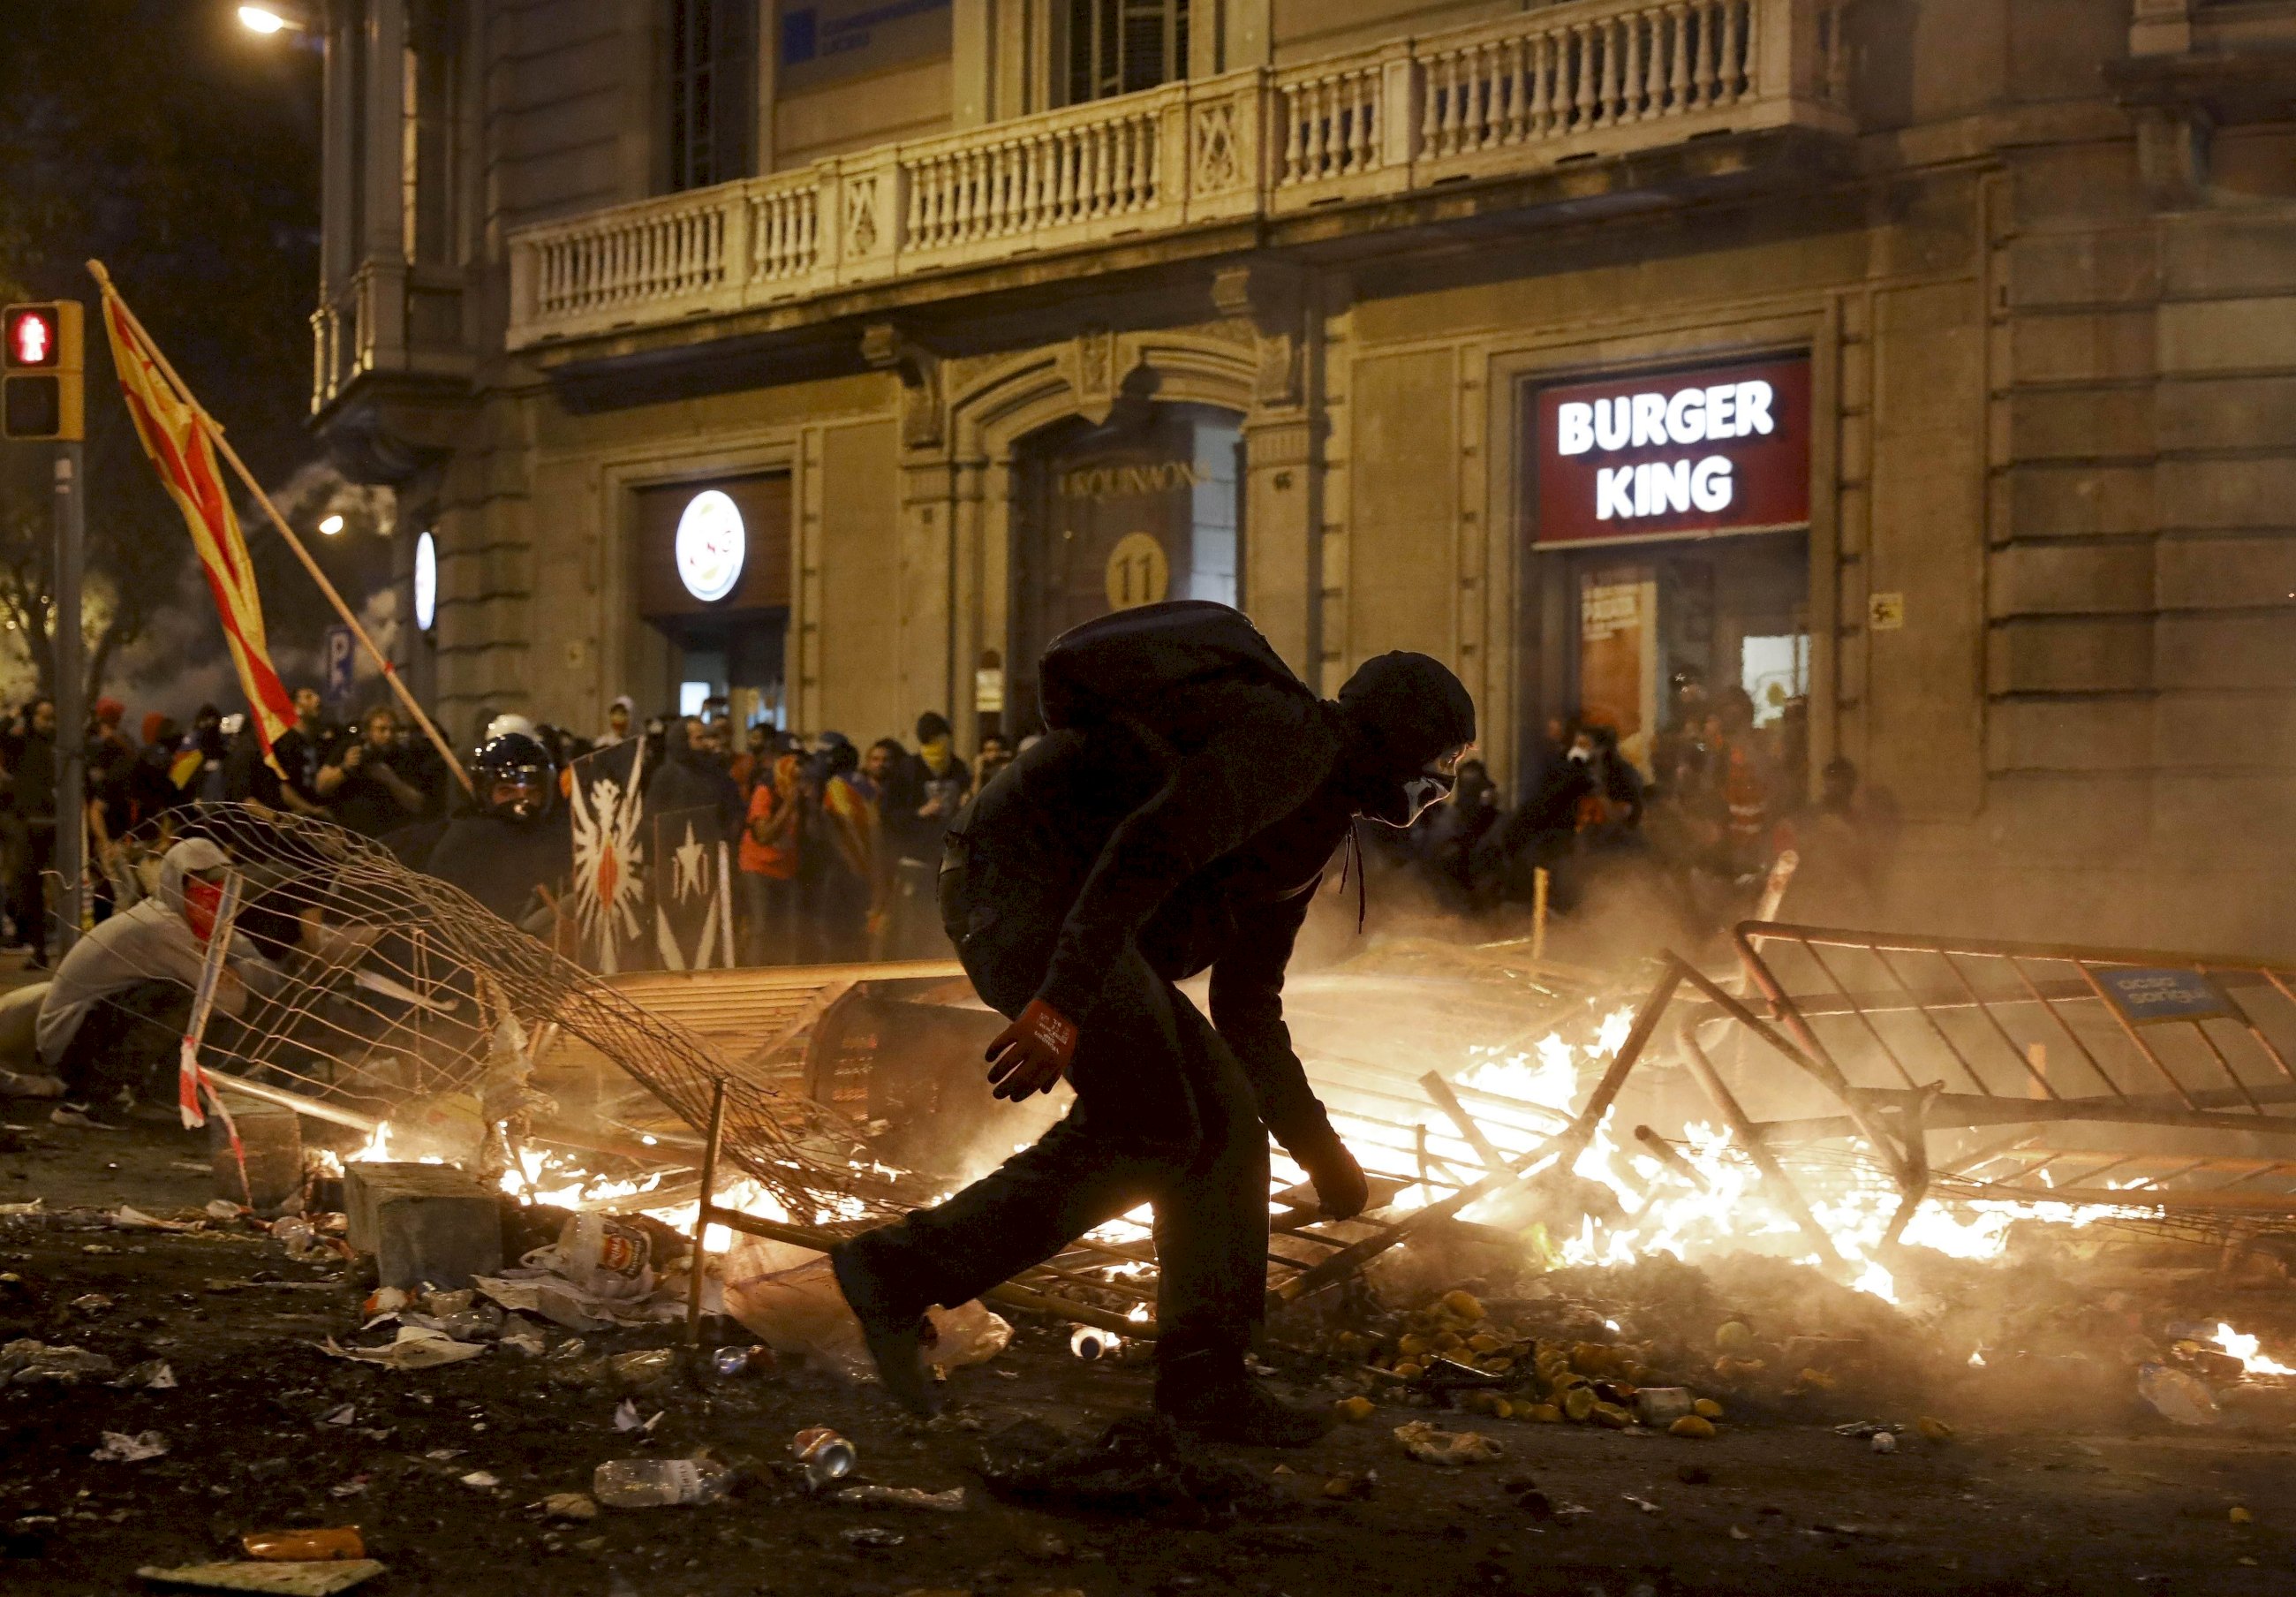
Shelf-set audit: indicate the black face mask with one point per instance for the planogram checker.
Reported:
(1400, 801)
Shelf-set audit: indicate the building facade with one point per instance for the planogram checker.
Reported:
(1926, 368)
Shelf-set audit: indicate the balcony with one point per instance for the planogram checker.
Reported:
(392, 320)
(1587, 79)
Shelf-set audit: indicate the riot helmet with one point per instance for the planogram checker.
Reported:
(515, 777)
(1410, 722)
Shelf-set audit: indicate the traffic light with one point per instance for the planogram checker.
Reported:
(40, 372)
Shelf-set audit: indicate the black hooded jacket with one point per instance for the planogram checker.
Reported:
(1200, 831)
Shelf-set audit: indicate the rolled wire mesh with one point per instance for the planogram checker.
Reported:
(397, 987)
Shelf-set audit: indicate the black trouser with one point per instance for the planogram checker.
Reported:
(1163, 1114)
(124, 1039)
(28, 896)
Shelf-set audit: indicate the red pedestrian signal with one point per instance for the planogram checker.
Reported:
(31, 336)
(40, 372)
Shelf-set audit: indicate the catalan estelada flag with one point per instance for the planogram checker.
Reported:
(175, 433)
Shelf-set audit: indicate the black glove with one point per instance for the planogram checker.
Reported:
(1340, 1182)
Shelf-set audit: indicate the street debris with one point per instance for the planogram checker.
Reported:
(872, 1495)
(121, 1448)
(822, 1455)
(321, 1578)
(305, 1546)
(414, 1348)
(661, 1482)
(573, 1508)
(27, 1362)
(1447, 1449)
(873, 1537)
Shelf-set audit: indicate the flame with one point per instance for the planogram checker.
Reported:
(376, 1150)
(2248, 1351)
(1724, 1207)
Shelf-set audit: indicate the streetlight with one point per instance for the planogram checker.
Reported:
(276, 17)
(330, 526)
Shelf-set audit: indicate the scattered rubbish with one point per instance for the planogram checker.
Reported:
(480, 1480)
(1352, 1487)
(872, 1535)
(1446, 1448)
(524, 1339)
(1706, 1408)
(2241, 1516)
(625, 1417)
(823, 1455)
(950, 1501)
(1697, 1427)
(731, 1361)
(121, 1448)
(1089, 1342)
(415, 1347)
(1883, 1442)
(298, 1235)
(1659, 1407)
(1357, 1409)
(352, 1487)
(318, 1577)
(1737, 1535)
(660, 1483)
(602, 1256)
(1933, 1430)
(1137, 1463)
(27, 1362)
(1859, 1429)
(221, 1208)
(575, 1508)
(646, 1370)
(786, 1295)
(126, 1219)
(2178, 1397)
(1644, 1503)
(342, 1413)
(385, 1300)
(152, 1375)
(305, 1546)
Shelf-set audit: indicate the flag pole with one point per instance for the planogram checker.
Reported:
(215, 432)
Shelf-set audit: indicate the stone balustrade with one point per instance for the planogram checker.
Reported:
(1586, 78)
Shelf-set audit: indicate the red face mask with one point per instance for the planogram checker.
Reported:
(203, 902)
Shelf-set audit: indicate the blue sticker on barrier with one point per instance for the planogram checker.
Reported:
(2144, 995)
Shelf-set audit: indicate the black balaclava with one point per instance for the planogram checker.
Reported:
(1404, 711)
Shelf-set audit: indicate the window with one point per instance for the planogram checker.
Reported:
(1122, 46)
(425, 127)
(712, 91)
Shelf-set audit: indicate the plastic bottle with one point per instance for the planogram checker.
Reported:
(660, 1483)
(1090, 1342)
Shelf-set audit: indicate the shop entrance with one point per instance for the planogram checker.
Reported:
(712, 577)
(1144, 508)
(1650, 639)
(1669, 518)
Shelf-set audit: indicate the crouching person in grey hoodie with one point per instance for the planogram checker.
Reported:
(121, 1000)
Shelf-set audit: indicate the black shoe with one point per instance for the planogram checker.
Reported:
(93, 1118)
(895, 1341)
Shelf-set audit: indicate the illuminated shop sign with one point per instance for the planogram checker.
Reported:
(426, 580)
(711, 545)
(1715, 449)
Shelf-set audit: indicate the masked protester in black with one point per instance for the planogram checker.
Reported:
(1106, 864)
(516, 844)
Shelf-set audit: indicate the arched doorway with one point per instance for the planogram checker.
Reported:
(1145, 505)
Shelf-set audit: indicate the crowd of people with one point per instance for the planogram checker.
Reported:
(1700, 813)
(836, 846)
